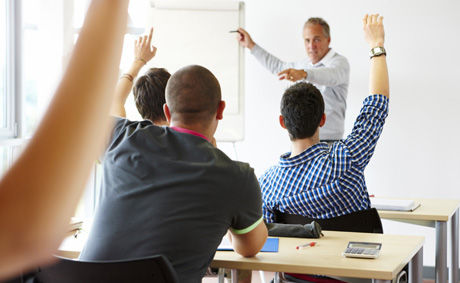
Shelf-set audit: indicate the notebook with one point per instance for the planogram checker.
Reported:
(394, 204)
(271, 245)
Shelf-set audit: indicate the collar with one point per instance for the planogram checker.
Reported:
(308, 154)
(326, 59)
(187, 131)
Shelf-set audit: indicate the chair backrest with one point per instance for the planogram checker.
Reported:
(150, 269)
(366, 221)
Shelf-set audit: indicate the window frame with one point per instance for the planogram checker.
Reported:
(12, 77)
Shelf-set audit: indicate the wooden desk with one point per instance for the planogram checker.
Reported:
(435, 213)
(326, 257)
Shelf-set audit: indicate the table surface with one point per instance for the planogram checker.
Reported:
(326, 256)
(429, 209)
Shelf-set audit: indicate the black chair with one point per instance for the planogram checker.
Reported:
(155, 269)
(365, 221)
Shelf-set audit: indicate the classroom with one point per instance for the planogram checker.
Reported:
(416, 156)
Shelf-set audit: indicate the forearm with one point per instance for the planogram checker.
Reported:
(272, 63)
(38, 195)
(378, 78)
(336, 74)
(124, 87)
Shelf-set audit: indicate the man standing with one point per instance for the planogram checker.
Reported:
(315, 180)
(168, 190)
(323, 67)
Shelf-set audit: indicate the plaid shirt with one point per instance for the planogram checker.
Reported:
(324, 182)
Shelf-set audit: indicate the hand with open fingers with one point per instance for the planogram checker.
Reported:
(374, 32)
(143, 50)
(244, 38)
(292, 75)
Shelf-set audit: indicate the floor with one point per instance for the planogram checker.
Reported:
(268, 277)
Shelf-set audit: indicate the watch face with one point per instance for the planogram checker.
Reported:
(376, 51)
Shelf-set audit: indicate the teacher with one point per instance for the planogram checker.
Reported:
(323, 67)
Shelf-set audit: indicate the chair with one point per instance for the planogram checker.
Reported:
(364, 221)
(149, 269)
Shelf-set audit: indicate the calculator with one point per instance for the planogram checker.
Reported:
(362, 250)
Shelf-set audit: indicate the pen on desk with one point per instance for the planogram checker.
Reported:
(306, 245)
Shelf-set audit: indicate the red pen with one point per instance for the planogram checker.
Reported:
(306, 245)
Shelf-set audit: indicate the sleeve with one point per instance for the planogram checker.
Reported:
(267, 209)
(367, 129)
(248, 214)
(338, 72)
(272, 63)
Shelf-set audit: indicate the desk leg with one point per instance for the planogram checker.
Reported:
(221, 275)
(454, 248)
(234, 276)
(441, 251)
(416, 267)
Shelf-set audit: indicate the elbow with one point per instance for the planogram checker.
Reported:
(249, 252)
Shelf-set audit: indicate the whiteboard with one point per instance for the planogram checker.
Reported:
(198, 33)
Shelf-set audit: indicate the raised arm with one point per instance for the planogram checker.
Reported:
(39, 194)
(375, 36)
(143, 53)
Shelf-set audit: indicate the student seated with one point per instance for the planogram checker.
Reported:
(148, 90)
(40, 192)
(316, 180)
(168, 190)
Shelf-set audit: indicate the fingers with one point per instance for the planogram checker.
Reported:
(372, 19)
(286, 75)
(149, 39)
(365, 20)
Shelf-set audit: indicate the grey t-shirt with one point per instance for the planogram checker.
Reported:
(171, 193)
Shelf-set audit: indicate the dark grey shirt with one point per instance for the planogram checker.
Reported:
(171, 193)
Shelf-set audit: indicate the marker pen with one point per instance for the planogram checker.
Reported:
(306, 245)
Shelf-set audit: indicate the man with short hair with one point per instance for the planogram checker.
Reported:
(148, 90)
(316, 180)
(323, 67)
(168, 190)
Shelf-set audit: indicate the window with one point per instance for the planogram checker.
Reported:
(3, 62)
(136, 26)
(31, 66)
(6, 69)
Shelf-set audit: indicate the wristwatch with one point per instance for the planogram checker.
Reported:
(377, 51)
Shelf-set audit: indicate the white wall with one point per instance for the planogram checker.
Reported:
(418, 153)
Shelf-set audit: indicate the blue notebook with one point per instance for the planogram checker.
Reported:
(271, 245)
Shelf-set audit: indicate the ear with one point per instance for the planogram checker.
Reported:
(167, 113)
(220, 110)
(323, 120)
(282, 122)
(329, 41)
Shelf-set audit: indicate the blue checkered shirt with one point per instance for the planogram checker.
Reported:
(323, 181)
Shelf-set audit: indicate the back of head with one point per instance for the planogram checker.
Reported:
(322, 23)
(193, 95)
(302, 107)
(149, 94)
